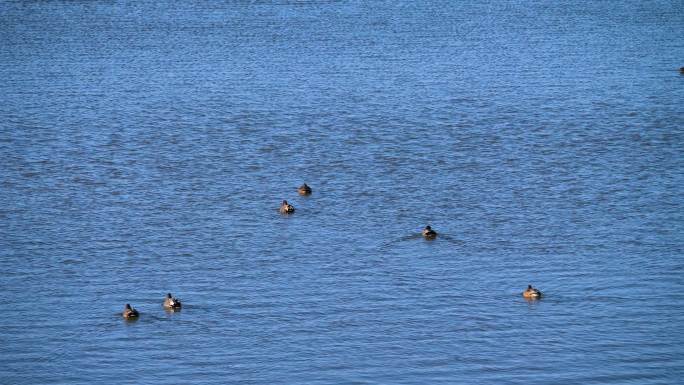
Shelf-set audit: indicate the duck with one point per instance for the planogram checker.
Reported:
(532, 293)
(129, 312)
(171, 303)
(304, 189)
(681, 70)
(429, 233)
(286, 208)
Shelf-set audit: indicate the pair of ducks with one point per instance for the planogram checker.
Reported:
(169, 303)
(286, 208)
(530, 293)
(428, 233)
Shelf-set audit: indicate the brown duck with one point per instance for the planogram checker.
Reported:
(286, 208)
(532, 293)
(429, 233)
(304, 189)
(129, 312)
(171, 303)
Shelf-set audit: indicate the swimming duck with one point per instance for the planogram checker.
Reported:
(304, 189)
(286, 208)
(429, 233)
(171, 303)
(532, 293)
(681, 70)
(129, 312)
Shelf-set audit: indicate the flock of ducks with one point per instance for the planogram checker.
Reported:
(171, 303)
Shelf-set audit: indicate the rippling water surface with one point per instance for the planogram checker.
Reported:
(145, 148)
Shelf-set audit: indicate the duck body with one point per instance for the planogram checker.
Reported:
(429, 233)
(532, 293)
(286, 208)
(171, 302)
(304, 189)
(129, 312)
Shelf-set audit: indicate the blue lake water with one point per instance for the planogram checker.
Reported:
(145, 148)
